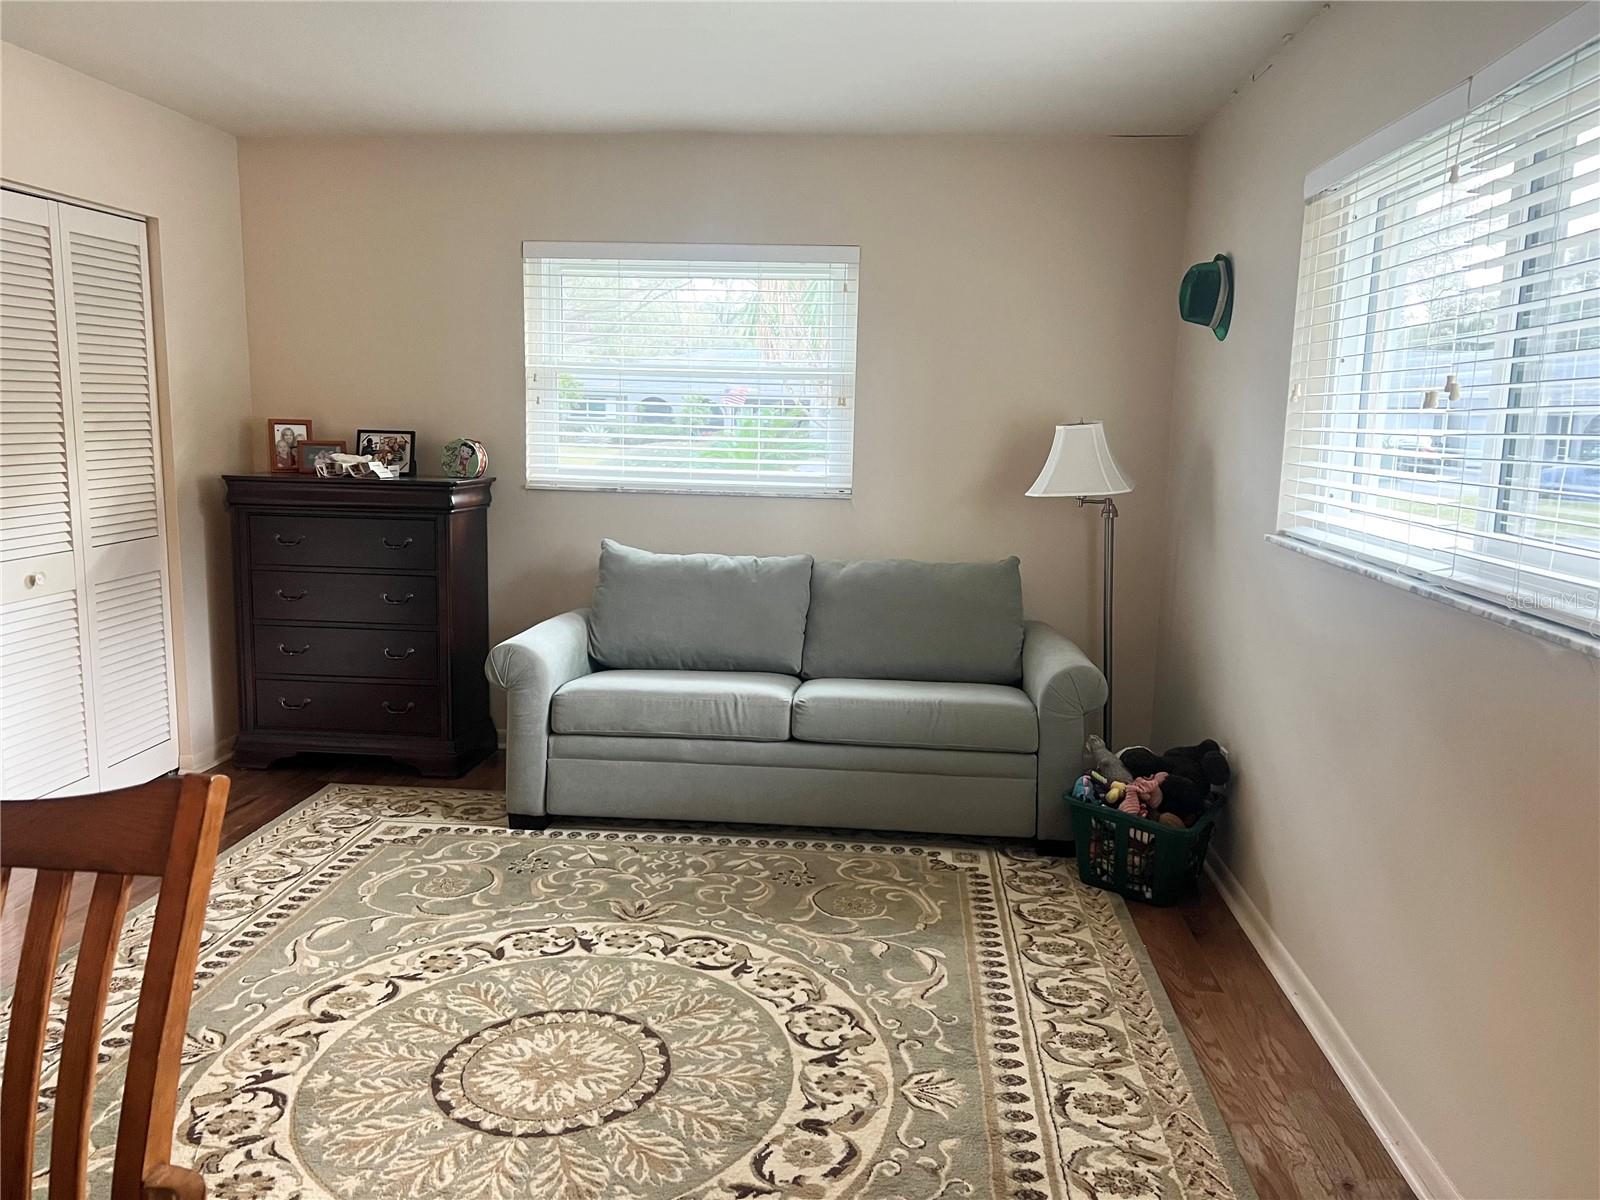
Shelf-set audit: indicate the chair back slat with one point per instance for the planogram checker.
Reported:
(30, 1009)
(170, 827)
(150, 1093)
(80, 1047)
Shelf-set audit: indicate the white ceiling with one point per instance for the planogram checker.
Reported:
(257, 67)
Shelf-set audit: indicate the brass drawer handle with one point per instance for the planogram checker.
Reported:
(283, 595)
(398, 712)
(283, 541)
(282, 649)
(283, 703)
(393, 657)
(406, 599)
(397, 545)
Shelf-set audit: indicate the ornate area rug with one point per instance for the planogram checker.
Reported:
(399, 997)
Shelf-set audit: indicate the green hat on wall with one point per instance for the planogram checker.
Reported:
(1205, 297)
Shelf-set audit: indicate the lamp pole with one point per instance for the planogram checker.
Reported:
(1108, 511)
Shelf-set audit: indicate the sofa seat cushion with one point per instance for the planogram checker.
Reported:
(678, 704)
(896, 712)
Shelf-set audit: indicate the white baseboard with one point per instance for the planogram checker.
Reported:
(1421, 1170)
(207, 759)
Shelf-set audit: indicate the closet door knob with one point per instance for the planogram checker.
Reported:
(283, 703)
(283, 541)
(393, 657)
(398, 712)
(282, 649)
(283, 595)
(33, 580)
(397, 545)
(406, 599)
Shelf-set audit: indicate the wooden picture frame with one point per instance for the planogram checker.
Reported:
(372, 441)
(299, 429)
(308, 460)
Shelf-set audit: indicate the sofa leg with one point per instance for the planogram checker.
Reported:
(524, 821)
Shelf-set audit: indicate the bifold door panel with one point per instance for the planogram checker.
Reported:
(86, 676)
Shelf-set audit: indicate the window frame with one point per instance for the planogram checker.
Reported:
(1308, 469)
(542, 397)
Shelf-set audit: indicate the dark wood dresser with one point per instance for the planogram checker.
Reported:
(363, 615)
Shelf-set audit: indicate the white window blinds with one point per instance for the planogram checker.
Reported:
(719, 369)
(1444, 405)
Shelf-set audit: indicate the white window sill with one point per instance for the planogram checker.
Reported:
(1550, 631)
(745, 493)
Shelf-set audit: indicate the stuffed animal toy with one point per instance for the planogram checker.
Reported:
(1213, 760)
(1192, 771)
(1101, 759)
(1148, 790)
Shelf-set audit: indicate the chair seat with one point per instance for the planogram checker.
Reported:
(741, 706)
(894, 712)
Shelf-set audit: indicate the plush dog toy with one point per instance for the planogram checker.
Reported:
(1212, 758)
(1192, 771)
(1101, 759)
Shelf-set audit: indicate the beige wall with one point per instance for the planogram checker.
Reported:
(70, 135)
(1419, 814)
(1006, 284)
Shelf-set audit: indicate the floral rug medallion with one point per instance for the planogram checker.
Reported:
(398, 997)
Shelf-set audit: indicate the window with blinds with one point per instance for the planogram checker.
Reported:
(669, 368)
(1444, 405)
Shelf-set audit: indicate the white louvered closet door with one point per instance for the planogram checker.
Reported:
(120, 528)
(86, 679)
(46, 723)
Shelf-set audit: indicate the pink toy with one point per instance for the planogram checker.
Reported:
(1143, 795)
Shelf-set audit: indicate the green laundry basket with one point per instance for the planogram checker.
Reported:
(1141, 859)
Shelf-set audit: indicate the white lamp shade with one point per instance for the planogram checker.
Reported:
(1080, 464)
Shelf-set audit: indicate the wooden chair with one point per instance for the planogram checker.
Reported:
(168, 828)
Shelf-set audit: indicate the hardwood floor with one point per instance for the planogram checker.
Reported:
(1296, 1127)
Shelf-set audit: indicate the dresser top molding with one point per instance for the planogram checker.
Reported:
(423, 493)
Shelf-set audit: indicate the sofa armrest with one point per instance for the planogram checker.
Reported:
(1065, 687)
(531, 667)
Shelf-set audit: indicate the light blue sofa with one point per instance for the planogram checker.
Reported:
(874, 695)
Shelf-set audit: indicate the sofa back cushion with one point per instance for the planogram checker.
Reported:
(898, 619)
(698, 612)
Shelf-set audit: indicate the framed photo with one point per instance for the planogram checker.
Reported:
(394, 448)
(284, 435)
(312, 450)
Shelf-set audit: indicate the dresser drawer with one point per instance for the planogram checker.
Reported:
(333, 596)
(319, 650)
(348, 707)
(395, 543)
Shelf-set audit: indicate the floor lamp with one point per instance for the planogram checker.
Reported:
(1080, 467)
